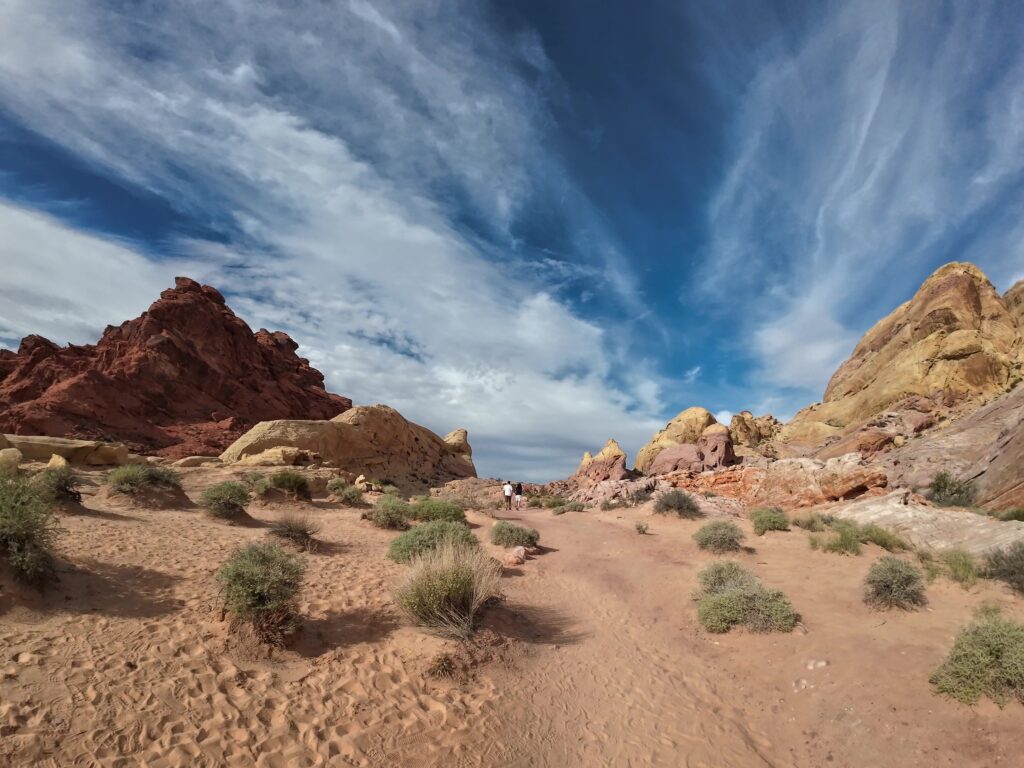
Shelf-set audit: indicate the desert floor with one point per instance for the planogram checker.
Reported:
(594, 659)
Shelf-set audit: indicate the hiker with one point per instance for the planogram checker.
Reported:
(519, 495)
(507, 489)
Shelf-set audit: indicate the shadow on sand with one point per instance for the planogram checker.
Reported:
(533, 624)
(341, 628)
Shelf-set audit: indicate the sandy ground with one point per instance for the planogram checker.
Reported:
(594, 659)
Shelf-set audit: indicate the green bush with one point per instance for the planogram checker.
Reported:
(132, 478)
(946, 491)
(641, 528)
(389, 489)
(534, 501)
(427, 536)
(1007, 565)
(394, 505)
(719, 536)
(437, 509)
(298, 528)
(505, 534)
(390, 519)
(961, 567)
(287, 481)
(225, 500)
(28, 530)
(59, 484)
(678, 502)
(447, 586)
(813, 522)
(555, 501)
(351, 496)
(844, 539)
(987, 659)
(572, 506)
(258, 585)
(894, 583)
(731, 596)
(769, 519)
(337, 485)
(880, 537)
(1012, 514)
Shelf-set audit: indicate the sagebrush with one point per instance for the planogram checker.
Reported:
(1007, 565)
(947, 491)
(427, 536)
(719, 536)
(59, 484)
(506, 534)
(297, 527)
(287, 481)
(769, 519)
(894, 583)
(677, 502)
(730, 596)
(28, 530)
(987, 659)
(133, 478)
(225, 500)
(427, 509)
(258, 585)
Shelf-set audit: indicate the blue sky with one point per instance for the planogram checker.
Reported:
(548, 222)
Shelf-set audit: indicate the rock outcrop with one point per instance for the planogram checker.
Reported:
(375, 441)
(186, 377)
(687, 427)
(91, 452)
(715, 447)
(956, 341)
(753, 432)
(608, 464)
(1014, 299)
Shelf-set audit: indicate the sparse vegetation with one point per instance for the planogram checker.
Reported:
(609, 504)
(638, 497)
(946, 491)
(390, 519)
(287, 481)
(880, 537)
(337, 485)
(987, 659)
(1012, 514)
(225, 500)
(393, 504)
(428, 509)
(571, 506)
(845, 537)
(731, 596)
(59, 484)
(351, 496)
(505, 534)
(298, 528)
(442, 665)
(960, 566)
(258, 585)
(28, 530)
(769, 519)
(719, 536)
(534, 502)
(427, 536)
(132, 478)
(677, 502)
(448, 585)
(641, 528)
(813, 522)
(894, 583)
(1007, 565)
(555, 501)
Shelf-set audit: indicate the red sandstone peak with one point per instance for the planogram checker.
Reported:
(187, 376)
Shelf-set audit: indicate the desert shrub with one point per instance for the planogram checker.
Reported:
(731, 596)
(894, 583)
(719, 536)
(769, 519)
(813, 522)
(427, 536)
(844, 539)
(390, 489)
(880, 537)
(250, 479)
(641, 528)
(609, 504)
(132, 478)
(436, 509)
(258, 585)
(386, 518)
(555, 501)
(442, 665)
(59, 484)
(28, 530)
(961, 567)
(1007, 565)
(337, 485)
(287, 480)
(987, 659)
(638, 497)
(505, 534)
(447, 586)
(1012, 514)
(225, 500)
(298, 528)
(534, 501)
(946, 491)
(351, 496)
(395, 505)
(677, 502)
(572, 506)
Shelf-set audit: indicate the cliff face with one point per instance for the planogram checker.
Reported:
(186, 377)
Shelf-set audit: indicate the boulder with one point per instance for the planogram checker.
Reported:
(10, 460)
(196, 461)
(91, 452)
(677, 458)
(281, 456)
(804, 482)
(608, 464)
(749, 431)
(715, 447)
(375, 441)
(186, 377)
(687, 427)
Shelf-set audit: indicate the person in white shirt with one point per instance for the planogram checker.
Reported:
(507, 490)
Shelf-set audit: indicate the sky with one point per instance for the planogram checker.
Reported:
(550, 223)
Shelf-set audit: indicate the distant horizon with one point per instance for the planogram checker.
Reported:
(550, 224)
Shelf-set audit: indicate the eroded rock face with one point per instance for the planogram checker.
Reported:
(685, 457)
(608, 464)
(753, 432)
(808, 482)
(375, 441)
(956, 341)
(92, 452)
(687, 427)
(715, 446)
(186, 377)
(1014, 299)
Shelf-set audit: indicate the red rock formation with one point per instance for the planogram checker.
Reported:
(186, 377)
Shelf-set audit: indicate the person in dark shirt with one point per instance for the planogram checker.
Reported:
(519, 495)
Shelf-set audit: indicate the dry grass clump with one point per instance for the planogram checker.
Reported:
(813, 522)
(554, 501)
(428, 509)
(946, 491)
(880, 537)
(351, 496)
(987, 659)
(679, 503)
(960, 566)
(731, 596)
(719, 536)
(258, 585)
(428, 536)
(287, 481)
(132, 478)
(28, 530)
(641, 528)
(225, 500)
(298, 528)
(505, 534)
(1006, 565)
(1012, 514)
(894, 583)
(769, 519)
(59, 484)
(571, 506)
(446, 587)
(845, 537)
